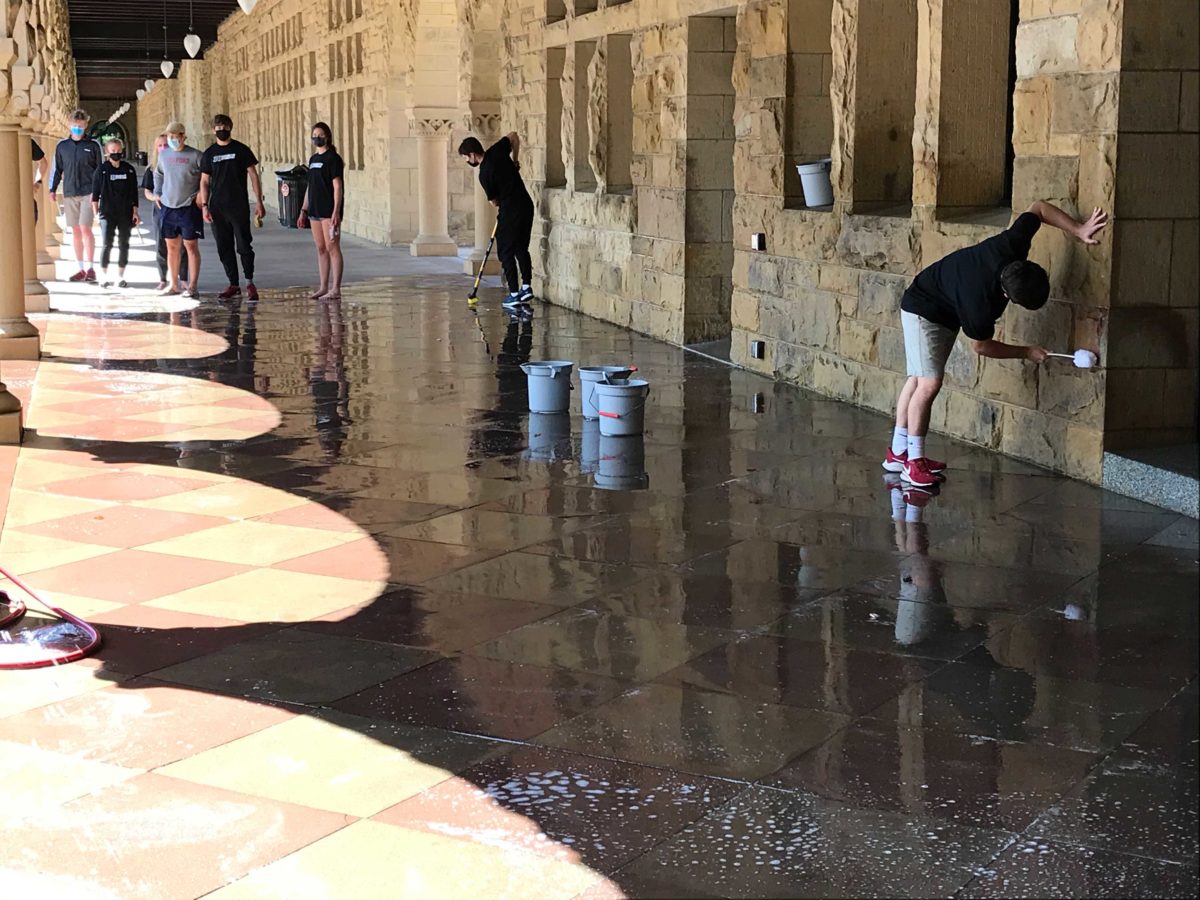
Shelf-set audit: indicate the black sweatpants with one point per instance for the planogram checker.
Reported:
(514, 226)
(115, 229)
(161, 252)
(232, 227)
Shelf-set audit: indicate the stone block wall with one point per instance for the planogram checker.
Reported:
(1152, 346)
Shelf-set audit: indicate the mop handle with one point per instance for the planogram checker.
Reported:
(61, 613)
(1063, 355)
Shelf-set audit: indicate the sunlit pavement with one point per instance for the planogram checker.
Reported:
(371, 631)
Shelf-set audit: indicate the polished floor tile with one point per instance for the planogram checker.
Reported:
(771, 844)
(489, 697)
(972, 780)
(1039, 869)
(340, 573)
(563, 806)
(698, 731)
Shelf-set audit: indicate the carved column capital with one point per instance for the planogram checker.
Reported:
(433, 122)
(483, 118)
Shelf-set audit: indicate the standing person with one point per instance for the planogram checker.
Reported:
(323, 206)
(968, 289)
(500, 178)
(115, 200)
(224, 167)
(160, 144)
(177, 184)
(40, 168)
(76, 160)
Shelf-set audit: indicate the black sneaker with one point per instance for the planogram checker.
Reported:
(526, 294)
(512, 301)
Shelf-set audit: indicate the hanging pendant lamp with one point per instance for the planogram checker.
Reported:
(247, 5)
(149, 82)
(191, 41)
(140, 93)
(166, 66)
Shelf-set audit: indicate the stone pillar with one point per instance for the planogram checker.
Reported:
(485, 123)
(18, 338)
(37, 298)
(433, 218)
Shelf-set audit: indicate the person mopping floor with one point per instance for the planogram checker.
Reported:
(500, 178)
(968, 289)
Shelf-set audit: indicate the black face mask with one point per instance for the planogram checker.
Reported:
(472, 163)
(116, 157)
(222, 134)
(319, 141)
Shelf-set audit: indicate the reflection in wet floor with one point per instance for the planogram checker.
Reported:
(386, 626)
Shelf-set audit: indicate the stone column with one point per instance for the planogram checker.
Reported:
(37, 298)
(433, 219)
(18, 338)
(485, 123)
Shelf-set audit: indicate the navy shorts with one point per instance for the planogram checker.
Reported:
(185, 222)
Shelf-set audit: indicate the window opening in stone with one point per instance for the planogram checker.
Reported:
(709, 195)
(884, 105)
(585, 178)
(619, 119)
(556, 11)
(556, 172)
(583, 7)
(975, 121)
(808, 113)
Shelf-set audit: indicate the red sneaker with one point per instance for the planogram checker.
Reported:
(917, 473)
(251, 291)
(894, 463)
(91, 276)
(230, 292)
(78, 276)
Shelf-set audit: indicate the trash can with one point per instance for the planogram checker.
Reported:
(292, 185)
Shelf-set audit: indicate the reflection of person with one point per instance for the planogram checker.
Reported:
(76, 160)
(968, 290)
(327, 378)
(160, 144)
(177, 184)
(224, 168)
(115, 201)
(921, 599)
(324, 204)
(499, 432)
(500, 178)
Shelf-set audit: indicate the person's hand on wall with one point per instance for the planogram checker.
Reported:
(1087, 230)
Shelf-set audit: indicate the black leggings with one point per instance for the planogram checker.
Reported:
(513, 230)
(116, 229)
(232, 227)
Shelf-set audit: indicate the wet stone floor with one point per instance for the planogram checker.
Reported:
(372, 629)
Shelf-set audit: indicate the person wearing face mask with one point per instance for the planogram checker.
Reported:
(323, 208)
(500, 178)
(224, 168)
(76, 160)
(160, 144)
(115, 200)
(177, 184)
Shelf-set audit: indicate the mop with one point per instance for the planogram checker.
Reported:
(472, 297)
(51, 644)
(1083, 359)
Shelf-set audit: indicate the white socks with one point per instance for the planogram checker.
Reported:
(916, 447)
(898, 504)
(899, 440)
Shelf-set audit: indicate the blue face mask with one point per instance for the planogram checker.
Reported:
(77, 131)
(174, 143)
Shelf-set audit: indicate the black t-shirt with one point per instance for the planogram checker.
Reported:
(148, 179)
(322, 169)
(499, 176)
(963, 290)
(226, 168)
(38, 153)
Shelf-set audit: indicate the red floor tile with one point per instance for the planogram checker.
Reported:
(132, 576)
(124, 526)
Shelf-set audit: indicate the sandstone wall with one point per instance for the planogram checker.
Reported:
(825, 294)
(1152, 345)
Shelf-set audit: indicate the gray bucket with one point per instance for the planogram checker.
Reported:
(622, 407)
(549, 385)
(622, 464)
(588, 378)
(549, 437)
(589, 452)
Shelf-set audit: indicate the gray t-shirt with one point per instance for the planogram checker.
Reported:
(177, 176)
